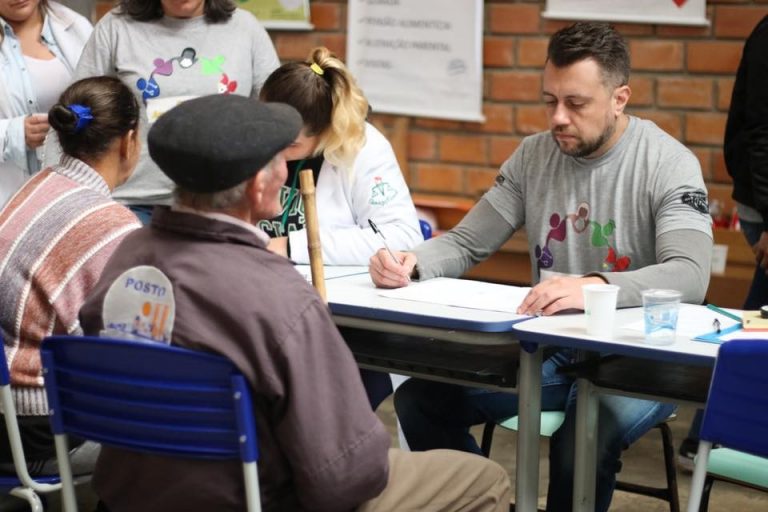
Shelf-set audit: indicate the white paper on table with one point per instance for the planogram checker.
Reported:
(332, 272)
(462, 293)
(692, 321)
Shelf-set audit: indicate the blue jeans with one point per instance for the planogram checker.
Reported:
(758, 291)
(438, 415)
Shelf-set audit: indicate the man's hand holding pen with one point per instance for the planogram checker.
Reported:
(391, 269)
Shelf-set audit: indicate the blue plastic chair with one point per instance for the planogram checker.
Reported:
(149, 397)
(21, 485)
(736, 419)
(426, 229)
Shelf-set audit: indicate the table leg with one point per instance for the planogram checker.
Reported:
(585, 464)
(529, 416)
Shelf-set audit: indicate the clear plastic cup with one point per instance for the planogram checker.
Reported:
(660, 311)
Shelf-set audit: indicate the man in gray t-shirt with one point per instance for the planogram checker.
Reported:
(604, 197)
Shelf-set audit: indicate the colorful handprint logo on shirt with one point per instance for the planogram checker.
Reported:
(614, 263)
(212, 66)
(579, 221)
(227, 86)
(559, 226)
(186, 59)
(149, 88)
(601, 234)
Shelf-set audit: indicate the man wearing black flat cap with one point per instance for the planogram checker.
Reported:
(322, 448)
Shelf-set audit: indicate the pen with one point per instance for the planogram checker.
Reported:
(724, 312)
(383, 240)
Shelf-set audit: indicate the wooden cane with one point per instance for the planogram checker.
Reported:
(307, 182)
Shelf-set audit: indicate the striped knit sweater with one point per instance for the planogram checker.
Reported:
(56, 235)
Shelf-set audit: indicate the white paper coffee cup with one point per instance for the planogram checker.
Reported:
(600, 308)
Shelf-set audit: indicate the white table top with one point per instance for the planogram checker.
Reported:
(332, 271)
(356, 296)
(628, 339)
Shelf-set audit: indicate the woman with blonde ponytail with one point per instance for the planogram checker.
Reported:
(356, 172)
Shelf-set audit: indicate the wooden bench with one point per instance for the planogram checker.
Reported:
(512, 264)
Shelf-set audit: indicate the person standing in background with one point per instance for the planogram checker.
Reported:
(746, 158)
(168, 51)
(746, 154)
(40, 44)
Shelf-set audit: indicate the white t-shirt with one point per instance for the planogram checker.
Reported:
(49, 78)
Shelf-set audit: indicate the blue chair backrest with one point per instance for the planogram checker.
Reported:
(5, 375)
(426, 229)
(736, 415)
(149, 397)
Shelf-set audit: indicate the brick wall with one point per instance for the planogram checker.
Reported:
(682, 79)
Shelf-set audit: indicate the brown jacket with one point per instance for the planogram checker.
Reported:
(322, 448)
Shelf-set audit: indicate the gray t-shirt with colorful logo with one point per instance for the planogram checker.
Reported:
(637, 215)
(601, 215)
(169, 60)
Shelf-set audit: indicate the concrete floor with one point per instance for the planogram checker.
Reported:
(643, 463)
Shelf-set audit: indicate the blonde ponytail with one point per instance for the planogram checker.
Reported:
(331, 104)
(343, 139)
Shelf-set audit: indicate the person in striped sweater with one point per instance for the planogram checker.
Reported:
(56, 234)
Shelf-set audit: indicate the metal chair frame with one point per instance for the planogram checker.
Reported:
(22, 485)
(668, 493)
(152, 398)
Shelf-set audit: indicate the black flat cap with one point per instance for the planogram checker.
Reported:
(213, 143)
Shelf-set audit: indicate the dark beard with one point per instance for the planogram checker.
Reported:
(586, 148)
